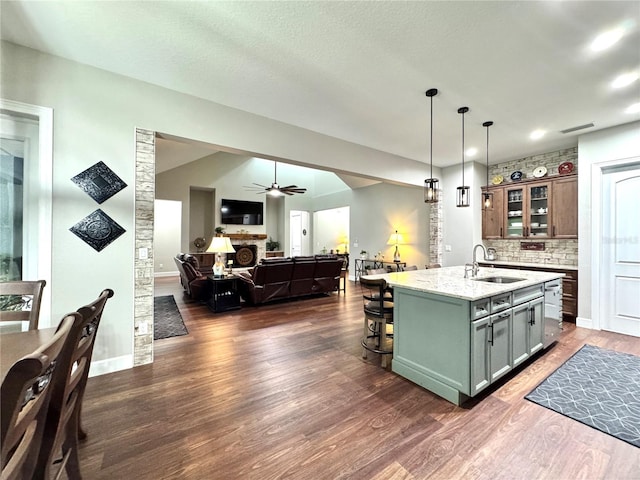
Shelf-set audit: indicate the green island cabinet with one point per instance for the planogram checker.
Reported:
(455, 347)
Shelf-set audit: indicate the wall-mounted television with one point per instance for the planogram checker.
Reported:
(241, 212)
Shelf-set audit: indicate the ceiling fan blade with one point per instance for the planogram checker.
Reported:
(260, 185)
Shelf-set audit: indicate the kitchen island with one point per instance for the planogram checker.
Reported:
(455, 336)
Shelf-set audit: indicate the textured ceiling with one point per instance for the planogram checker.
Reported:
(359, 70)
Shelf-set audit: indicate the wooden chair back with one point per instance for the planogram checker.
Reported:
(375, 302)
(25, 394)
(26, 296)
(63, 421)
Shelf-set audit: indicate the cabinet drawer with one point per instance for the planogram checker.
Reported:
(528, 293)
(480, 308)
(500, 302)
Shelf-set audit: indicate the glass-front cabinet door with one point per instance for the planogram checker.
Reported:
(528, 211)
(538, 211)
(516, 214)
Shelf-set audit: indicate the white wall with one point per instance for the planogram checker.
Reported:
(166, 236)
(329, 227)
(595, 150)
(462, 227)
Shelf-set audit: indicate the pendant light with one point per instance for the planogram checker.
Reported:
(487, 196)
(431, 184)
(462, 193)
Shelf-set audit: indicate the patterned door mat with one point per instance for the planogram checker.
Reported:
(598, 387)
(167, 321)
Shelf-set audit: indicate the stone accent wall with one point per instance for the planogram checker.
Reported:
(557, 252)
(435, 231)
(527, 165)
(144, 197)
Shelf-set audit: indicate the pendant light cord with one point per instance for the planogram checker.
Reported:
(431, 142)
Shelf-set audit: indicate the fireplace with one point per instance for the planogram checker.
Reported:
(245, 255)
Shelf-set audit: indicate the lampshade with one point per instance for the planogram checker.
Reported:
(220, 245)
(396, 239)
(487, 196)
(462, 193)
(431, 184)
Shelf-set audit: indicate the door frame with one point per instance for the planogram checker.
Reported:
(44, 116)
(598, 171)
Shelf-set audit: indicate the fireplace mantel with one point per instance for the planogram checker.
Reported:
(246, 236)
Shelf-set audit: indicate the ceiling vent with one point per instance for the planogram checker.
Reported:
(575, 129)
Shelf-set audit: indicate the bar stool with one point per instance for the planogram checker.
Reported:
(378, 314)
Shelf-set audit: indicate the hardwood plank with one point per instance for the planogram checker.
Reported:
(281, 391)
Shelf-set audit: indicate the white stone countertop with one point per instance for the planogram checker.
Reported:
(450, 281)
(533, 265)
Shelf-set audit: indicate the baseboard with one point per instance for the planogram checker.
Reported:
(584, 323)
(166, 274)
(100, 367)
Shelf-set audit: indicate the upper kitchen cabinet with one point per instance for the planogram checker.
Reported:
(493, 218)
(564, 206)
(528, 210)
(534, 210)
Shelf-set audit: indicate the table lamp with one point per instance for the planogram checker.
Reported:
(220, 245)
(396, 239)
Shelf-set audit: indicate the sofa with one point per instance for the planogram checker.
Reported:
(282, 278)
(192, 279)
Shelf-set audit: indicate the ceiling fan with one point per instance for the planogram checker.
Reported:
(275, 189)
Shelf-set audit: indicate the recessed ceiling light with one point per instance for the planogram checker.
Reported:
(471, 151)
(536, 134)
(625, 79)
(635, 108)
(606, 39)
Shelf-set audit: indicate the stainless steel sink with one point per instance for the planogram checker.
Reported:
(499, 279)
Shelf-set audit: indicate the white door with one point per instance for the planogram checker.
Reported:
(299, 233)
(620, 298)
(295, 229)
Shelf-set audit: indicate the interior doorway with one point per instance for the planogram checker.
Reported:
(299, 238)
(331, 230)
(620, 295)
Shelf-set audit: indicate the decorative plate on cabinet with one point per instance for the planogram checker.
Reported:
(517, 175)
(564, 168)
(497, 180)
(540, 172)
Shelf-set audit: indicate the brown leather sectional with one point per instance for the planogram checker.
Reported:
(193, 280)
(280, 278)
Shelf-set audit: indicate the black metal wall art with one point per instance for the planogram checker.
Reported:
(99, 182)
(97, 230)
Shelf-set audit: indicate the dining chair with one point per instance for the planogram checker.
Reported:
(20, 301)
(59, 451)
(25, 394)
(378, 314)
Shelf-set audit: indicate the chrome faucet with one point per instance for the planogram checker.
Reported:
(476, 267)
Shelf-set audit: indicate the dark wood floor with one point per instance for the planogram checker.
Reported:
(281, 391)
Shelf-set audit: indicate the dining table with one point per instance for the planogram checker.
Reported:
(14, 346)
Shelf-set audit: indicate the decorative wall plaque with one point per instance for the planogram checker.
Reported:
(97, 230)
(99, 182)
(536, 246)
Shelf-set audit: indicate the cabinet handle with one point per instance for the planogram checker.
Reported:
(554, 231)
(491, 340)
(500, 232)
(532, 316)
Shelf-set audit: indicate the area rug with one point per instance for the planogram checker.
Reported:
(598, 387)
(167, 321)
